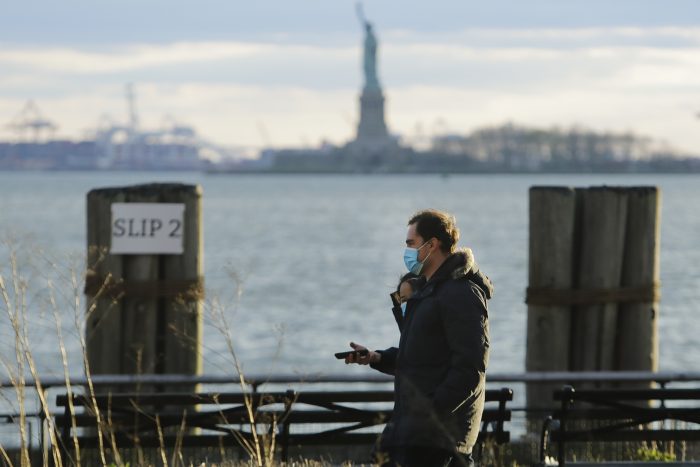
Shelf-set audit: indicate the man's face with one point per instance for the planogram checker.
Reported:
(413, 240)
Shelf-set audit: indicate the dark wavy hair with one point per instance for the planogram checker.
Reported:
(432, 223)
(408, 277)
(413, 280)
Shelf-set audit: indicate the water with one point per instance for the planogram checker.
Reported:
(319, 255)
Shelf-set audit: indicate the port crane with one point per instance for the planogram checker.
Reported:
(31, 121)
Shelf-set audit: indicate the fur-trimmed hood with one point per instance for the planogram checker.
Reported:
(461, 265)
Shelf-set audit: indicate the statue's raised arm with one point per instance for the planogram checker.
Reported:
(360, 13)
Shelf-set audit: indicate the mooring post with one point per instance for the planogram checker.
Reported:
(551, 252)
(593, 282)
(602, 237)
(104, 315)
(144, 279)
(638, 347)
(139, 308)
(182, 316)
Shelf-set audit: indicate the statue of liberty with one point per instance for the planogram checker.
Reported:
(370, 52)
(372, 134)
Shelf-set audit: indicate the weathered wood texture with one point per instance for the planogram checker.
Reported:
(552, 220)
(638, 344)
(183, 318)
(143, 331)
(104, 312)
(602, 236)
(586, 244)
(140, 312)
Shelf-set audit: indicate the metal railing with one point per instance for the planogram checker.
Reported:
(319, 381)
(661, 378)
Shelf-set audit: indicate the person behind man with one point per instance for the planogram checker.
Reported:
(408, 285)
(440, 363)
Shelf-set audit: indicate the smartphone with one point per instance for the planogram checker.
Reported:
(342, 355)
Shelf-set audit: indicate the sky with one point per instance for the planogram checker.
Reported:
(288, 72)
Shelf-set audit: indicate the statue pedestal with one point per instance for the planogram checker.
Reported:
(372, 127)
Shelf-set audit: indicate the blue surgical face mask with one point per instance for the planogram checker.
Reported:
(403, 309)
(410, 259)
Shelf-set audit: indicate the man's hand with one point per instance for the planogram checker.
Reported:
(371, 357)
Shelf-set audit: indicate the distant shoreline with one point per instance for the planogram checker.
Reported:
(350, 173)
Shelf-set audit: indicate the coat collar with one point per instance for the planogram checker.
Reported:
(460, 265)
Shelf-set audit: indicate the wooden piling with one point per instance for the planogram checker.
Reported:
(603, 222)
(552, 223)
(104, 314)
(638, 345)
(599, 311)
(182, 316)
(140, 311)
(143, 306)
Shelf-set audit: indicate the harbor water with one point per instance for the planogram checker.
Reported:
(304, 264)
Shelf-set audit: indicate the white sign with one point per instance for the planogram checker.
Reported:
(147, 228)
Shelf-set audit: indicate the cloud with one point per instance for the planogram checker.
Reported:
(558, 37)
(161, 21)
(76, 61)
(468, 44)
(668, 71)
(222, 113)
(241, 115)
(618, 78)
(661, 116)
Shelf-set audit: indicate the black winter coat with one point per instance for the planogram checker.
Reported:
(440, 364)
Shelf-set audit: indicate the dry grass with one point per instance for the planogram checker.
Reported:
(31, 281)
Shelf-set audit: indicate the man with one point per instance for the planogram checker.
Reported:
(440, 364)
